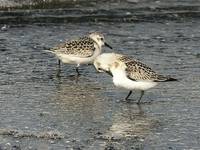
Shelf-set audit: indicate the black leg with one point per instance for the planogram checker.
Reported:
(142, 93)
(77, 71)
(59, 63)
(58, 73)
(128, 95)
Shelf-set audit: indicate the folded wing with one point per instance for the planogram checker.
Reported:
(83, 47)
(136, 70)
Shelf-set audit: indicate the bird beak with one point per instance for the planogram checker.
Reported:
(106, 44)
(108, 72)
(102, 70)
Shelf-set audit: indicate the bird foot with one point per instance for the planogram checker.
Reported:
(133, 101)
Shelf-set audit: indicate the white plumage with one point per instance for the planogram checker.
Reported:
(81, 51)
(129, 73)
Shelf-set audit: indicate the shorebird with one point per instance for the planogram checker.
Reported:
(129, 73)
(81, 51)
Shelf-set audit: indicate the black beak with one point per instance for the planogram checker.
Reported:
(108, 72)
(107, 45)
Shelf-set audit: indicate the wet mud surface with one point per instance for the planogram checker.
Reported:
(39, 110)
(66, 11)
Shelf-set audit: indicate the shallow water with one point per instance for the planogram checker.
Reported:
(41, 111)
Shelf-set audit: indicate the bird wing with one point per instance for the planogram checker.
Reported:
(82, 47)
(136, 70)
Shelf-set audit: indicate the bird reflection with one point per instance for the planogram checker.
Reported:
(70, 77)
(83, 108)
(81, 100)
(129, 121)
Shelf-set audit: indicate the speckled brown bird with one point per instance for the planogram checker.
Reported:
(81, 51)
(129, 73)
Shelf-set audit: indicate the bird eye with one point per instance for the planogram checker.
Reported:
(101, 39)
(99, 68)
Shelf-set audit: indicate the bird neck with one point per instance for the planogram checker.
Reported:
(119, 77)
(99, 44)
(118, 73)
(97, 51)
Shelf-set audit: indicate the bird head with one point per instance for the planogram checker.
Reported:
(99, 39)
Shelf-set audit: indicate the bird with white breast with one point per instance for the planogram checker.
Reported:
(129, 73)
(81, 51)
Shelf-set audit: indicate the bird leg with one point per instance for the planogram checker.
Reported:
(78, 73)
(59, 63)
(128, 95)
(58, 71)
(142, 93)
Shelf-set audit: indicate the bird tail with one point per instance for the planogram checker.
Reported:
(162, 78)
(49, 50)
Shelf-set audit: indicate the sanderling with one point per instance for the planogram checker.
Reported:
(129, 73)
(81, 51)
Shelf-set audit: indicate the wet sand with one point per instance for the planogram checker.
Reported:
(41, 111)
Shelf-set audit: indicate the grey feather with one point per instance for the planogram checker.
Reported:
(137, 70)
(82, 47)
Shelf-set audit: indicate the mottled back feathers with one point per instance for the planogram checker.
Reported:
(82, 47)
(136, 70)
